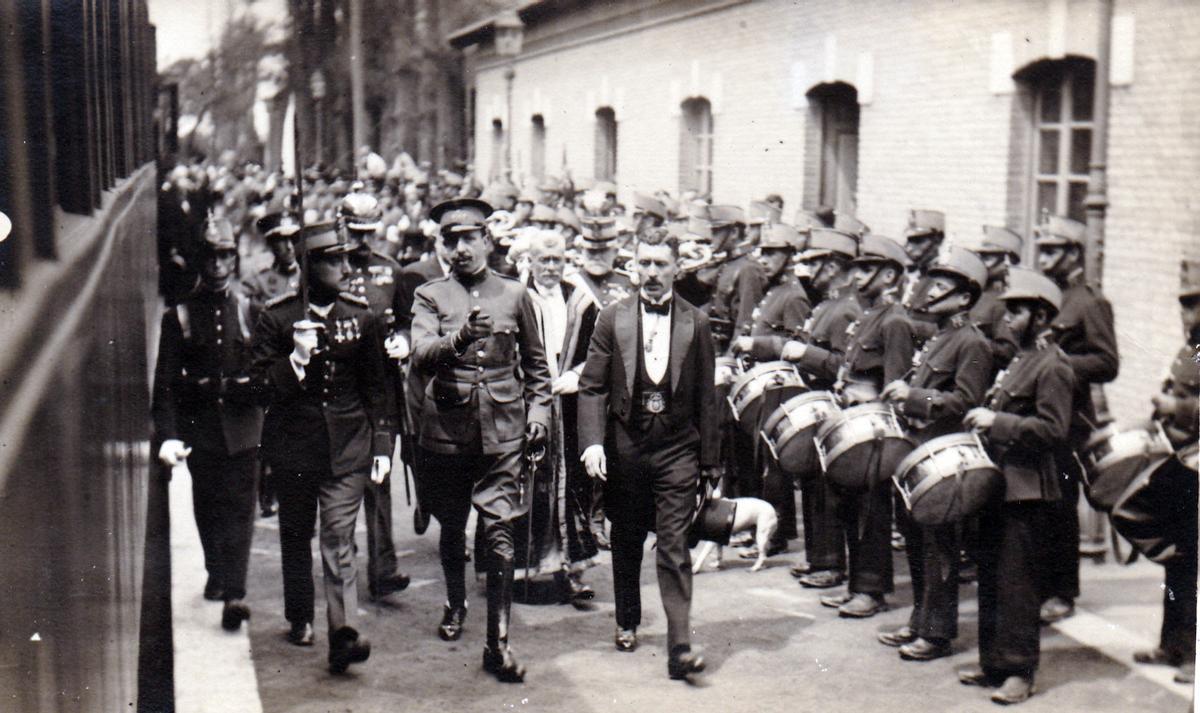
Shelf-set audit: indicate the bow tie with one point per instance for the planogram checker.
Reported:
(651, 308)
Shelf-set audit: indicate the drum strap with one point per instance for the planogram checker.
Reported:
(1117, 547)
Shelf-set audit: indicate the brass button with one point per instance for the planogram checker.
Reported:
(474, 293)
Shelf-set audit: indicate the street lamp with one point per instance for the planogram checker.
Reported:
(317, 85)
(510, 32)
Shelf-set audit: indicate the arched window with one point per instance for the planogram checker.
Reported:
(831, 175)
(606, 144)
(537, 146)
(696, 146)
(1061, 126)
(497, 167)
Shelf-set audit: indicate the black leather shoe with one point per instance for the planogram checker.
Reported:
(501, 663)
(234, 613)
(862, 606)
(835, 601)
(800, 569)
(1156, 656)
(1015, 689)
(420, 520)
(301, 634)
(451, 627)
(1186, 673)
(976, 676)
(899, 637)
(574, 590)
(626, 639)
(683, 663)
(396, 582)
(347, 647)
(823, 579)
(925, 650)
(1055, 609)
(213, 591)
(268, 507)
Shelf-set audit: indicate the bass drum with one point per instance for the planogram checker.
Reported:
(789, 431)
(861, 446)
(750, 391)
(1157, 513)
(1112, 459)
(947, 479)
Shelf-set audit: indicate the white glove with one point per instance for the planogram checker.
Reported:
(397, 347)
(723, 375)
(595, 462)
(172, 452)
(380, 469)
(566, 383)
(304, 341)
(793, 351)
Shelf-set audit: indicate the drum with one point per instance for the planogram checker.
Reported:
(947, 479)
(861, 446)
(749, 392)
(1157, 512)
(1113, 458)
(789, 430)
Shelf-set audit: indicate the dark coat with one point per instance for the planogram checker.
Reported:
(337, 418)
(606, 385)
(482, 399)
(203, 393)
(880, 349)
(1032, 401)
(1084, 330)
(951, 376)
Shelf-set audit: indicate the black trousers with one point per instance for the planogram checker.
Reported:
(1058, 540)
(1178, 635)
(865, 518)
(652, 485)
(781, 494)
(297, 493)
(824, 540)
(224, 495)
(1009, 600)
(933, 562)
(381, 547)
(450, 485)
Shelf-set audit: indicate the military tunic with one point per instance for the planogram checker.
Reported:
(270, 282)
(605, 290)
(739, 287)
(988, 314)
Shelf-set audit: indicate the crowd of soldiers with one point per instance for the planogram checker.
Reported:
(561, 363)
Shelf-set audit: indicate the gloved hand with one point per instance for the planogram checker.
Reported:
(304, 340)
(477, 326)
(566, 383)
(380, 467)
(793, 351)
(595, 462)
(535, 434)
(397, 347)
(896, 391)
(742, 345)
(172, 452)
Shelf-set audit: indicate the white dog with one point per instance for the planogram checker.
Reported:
(751, 514)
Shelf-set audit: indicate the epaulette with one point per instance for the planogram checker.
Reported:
(355, 299)
(280, 299)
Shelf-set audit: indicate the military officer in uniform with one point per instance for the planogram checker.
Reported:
(322, 365)
(648, 212)
(280, 231)
(879, 351)
(1177, 408)
(1084, 330)
(373, 277)
(205, 411)
(739, 283)
(487, 400)
(1027, 413)
(1000, 250)
(783, 309)
(818, 349)
(950, 375)
(923, 240)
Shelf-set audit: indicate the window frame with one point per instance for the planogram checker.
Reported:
(1061, 77)
(697, 136)
(605, 159)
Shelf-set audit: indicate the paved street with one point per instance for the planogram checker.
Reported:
(770, 647)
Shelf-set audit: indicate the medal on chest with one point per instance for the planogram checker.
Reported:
(346, 330)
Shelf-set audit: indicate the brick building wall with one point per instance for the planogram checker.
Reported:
(943, 124)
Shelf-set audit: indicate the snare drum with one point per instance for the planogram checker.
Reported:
(947, 479)
(860, 446)
(1157, 511)
(748, 395)
(789, 430)
(1112, 459)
